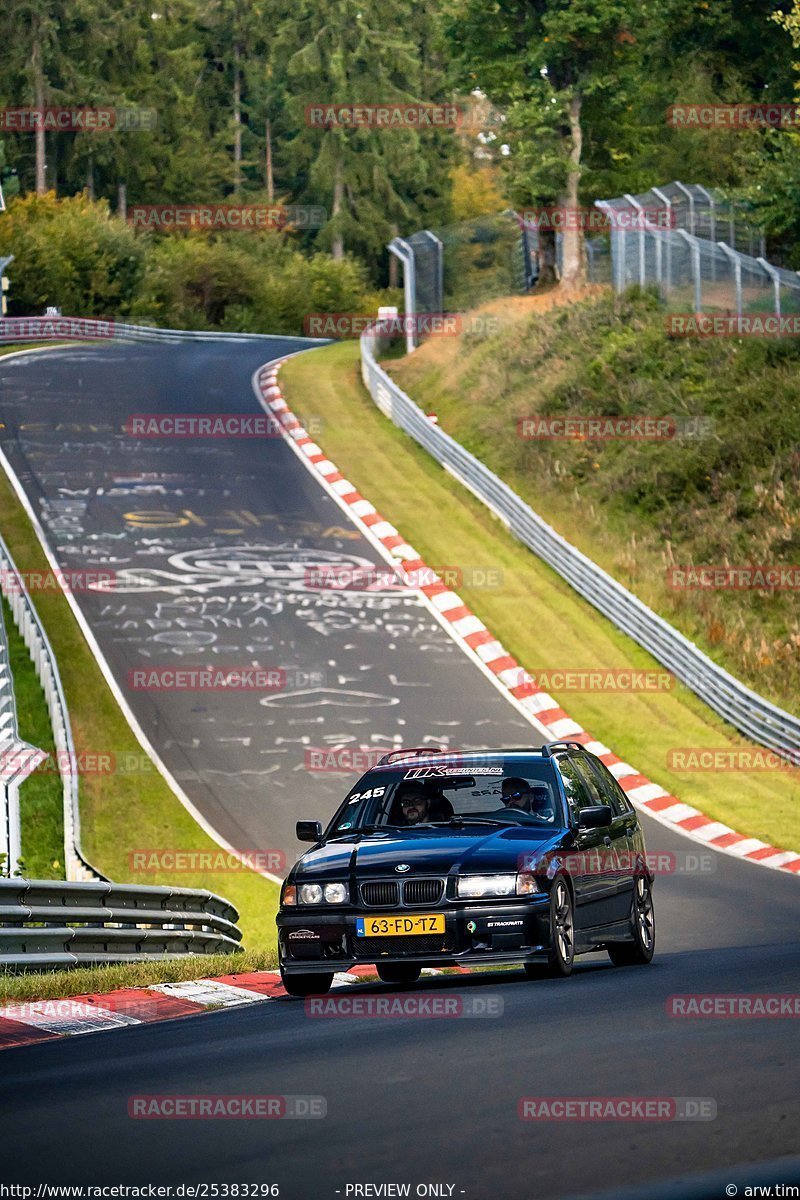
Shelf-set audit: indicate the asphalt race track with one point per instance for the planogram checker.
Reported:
(410, 1101)
(213, 544)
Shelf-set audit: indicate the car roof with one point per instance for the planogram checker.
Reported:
(464, 757)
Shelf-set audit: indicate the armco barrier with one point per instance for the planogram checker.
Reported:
(748, 712)
(17, 760)
(30, 627)
(49, 925)
(118, 331)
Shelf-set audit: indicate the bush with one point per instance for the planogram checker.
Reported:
(70, 253)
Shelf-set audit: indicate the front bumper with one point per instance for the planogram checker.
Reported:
(317, 940)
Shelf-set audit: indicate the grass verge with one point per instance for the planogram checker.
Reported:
(52, 985)
(533, 612)
(40, 796)
(123, 812)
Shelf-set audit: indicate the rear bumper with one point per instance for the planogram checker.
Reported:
(317, 941)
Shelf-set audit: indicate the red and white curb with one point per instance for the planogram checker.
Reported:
(470, 632)
(45, 1020)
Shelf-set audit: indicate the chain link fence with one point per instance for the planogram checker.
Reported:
(699, 250)
(457, 267)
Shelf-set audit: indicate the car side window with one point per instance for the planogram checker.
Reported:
(616, 797)
(577, 795)
(596, 793)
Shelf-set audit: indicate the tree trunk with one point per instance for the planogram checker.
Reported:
(122, 200)
(269, 177)
(573, 268)
(337, 246)
(237, 119)
(38, 94)
(90, 177)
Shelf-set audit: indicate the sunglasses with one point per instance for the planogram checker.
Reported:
(414, 803)
(515, 795)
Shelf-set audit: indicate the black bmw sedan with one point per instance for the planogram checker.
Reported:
(498, 856)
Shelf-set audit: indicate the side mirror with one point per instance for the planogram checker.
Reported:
(596, 817)
(311, 831)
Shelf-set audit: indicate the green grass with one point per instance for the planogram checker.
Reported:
(534, 613)
(82, 981)
(637, 508)
(40, 797)
(122, 812)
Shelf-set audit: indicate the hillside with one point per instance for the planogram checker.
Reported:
(724, 491)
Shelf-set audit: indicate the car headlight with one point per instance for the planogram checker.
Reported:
(310, 893)
(475, 887)
(336, 893)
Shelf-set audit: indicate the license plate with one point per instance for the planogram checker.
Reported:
(417, 925)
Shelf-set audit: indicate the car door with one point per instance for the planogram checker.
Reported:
(584, 863)
(612, 892)
(624, 833)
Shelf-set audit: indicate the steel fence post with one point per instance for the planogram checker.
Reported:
(776, 282)
(694, 251)
(736, 259)
(401, 249)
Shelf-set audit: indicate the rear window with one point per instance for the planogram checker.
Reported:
(521, 791)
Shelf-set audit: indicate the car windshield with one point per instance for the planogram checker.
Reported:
(481, 793)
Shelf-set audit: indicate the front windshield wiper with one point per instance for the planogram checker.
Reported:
(373, 828)
(456, 822)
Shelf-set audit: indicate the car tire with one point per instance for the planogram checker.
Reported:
(561, 958)
(639, 951)
(398, 972)
(306, 985)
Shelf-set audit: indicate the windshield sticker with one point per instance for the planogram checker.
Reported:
(443, 772)
(370, 793)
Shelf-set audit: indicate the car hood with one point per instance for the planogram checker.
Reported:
(427, 851)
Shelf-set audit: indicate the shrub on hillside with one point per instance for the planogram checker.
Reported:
(71, 253)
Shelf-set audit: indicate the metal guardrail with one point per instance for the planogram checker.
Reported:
(748, 712)
(50, 925)
(17, 760)
(26, 619)
(15, 329)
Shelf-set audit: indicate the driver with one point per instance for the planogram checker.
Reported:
(415, 806)
(517, 794)
(521, 796)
